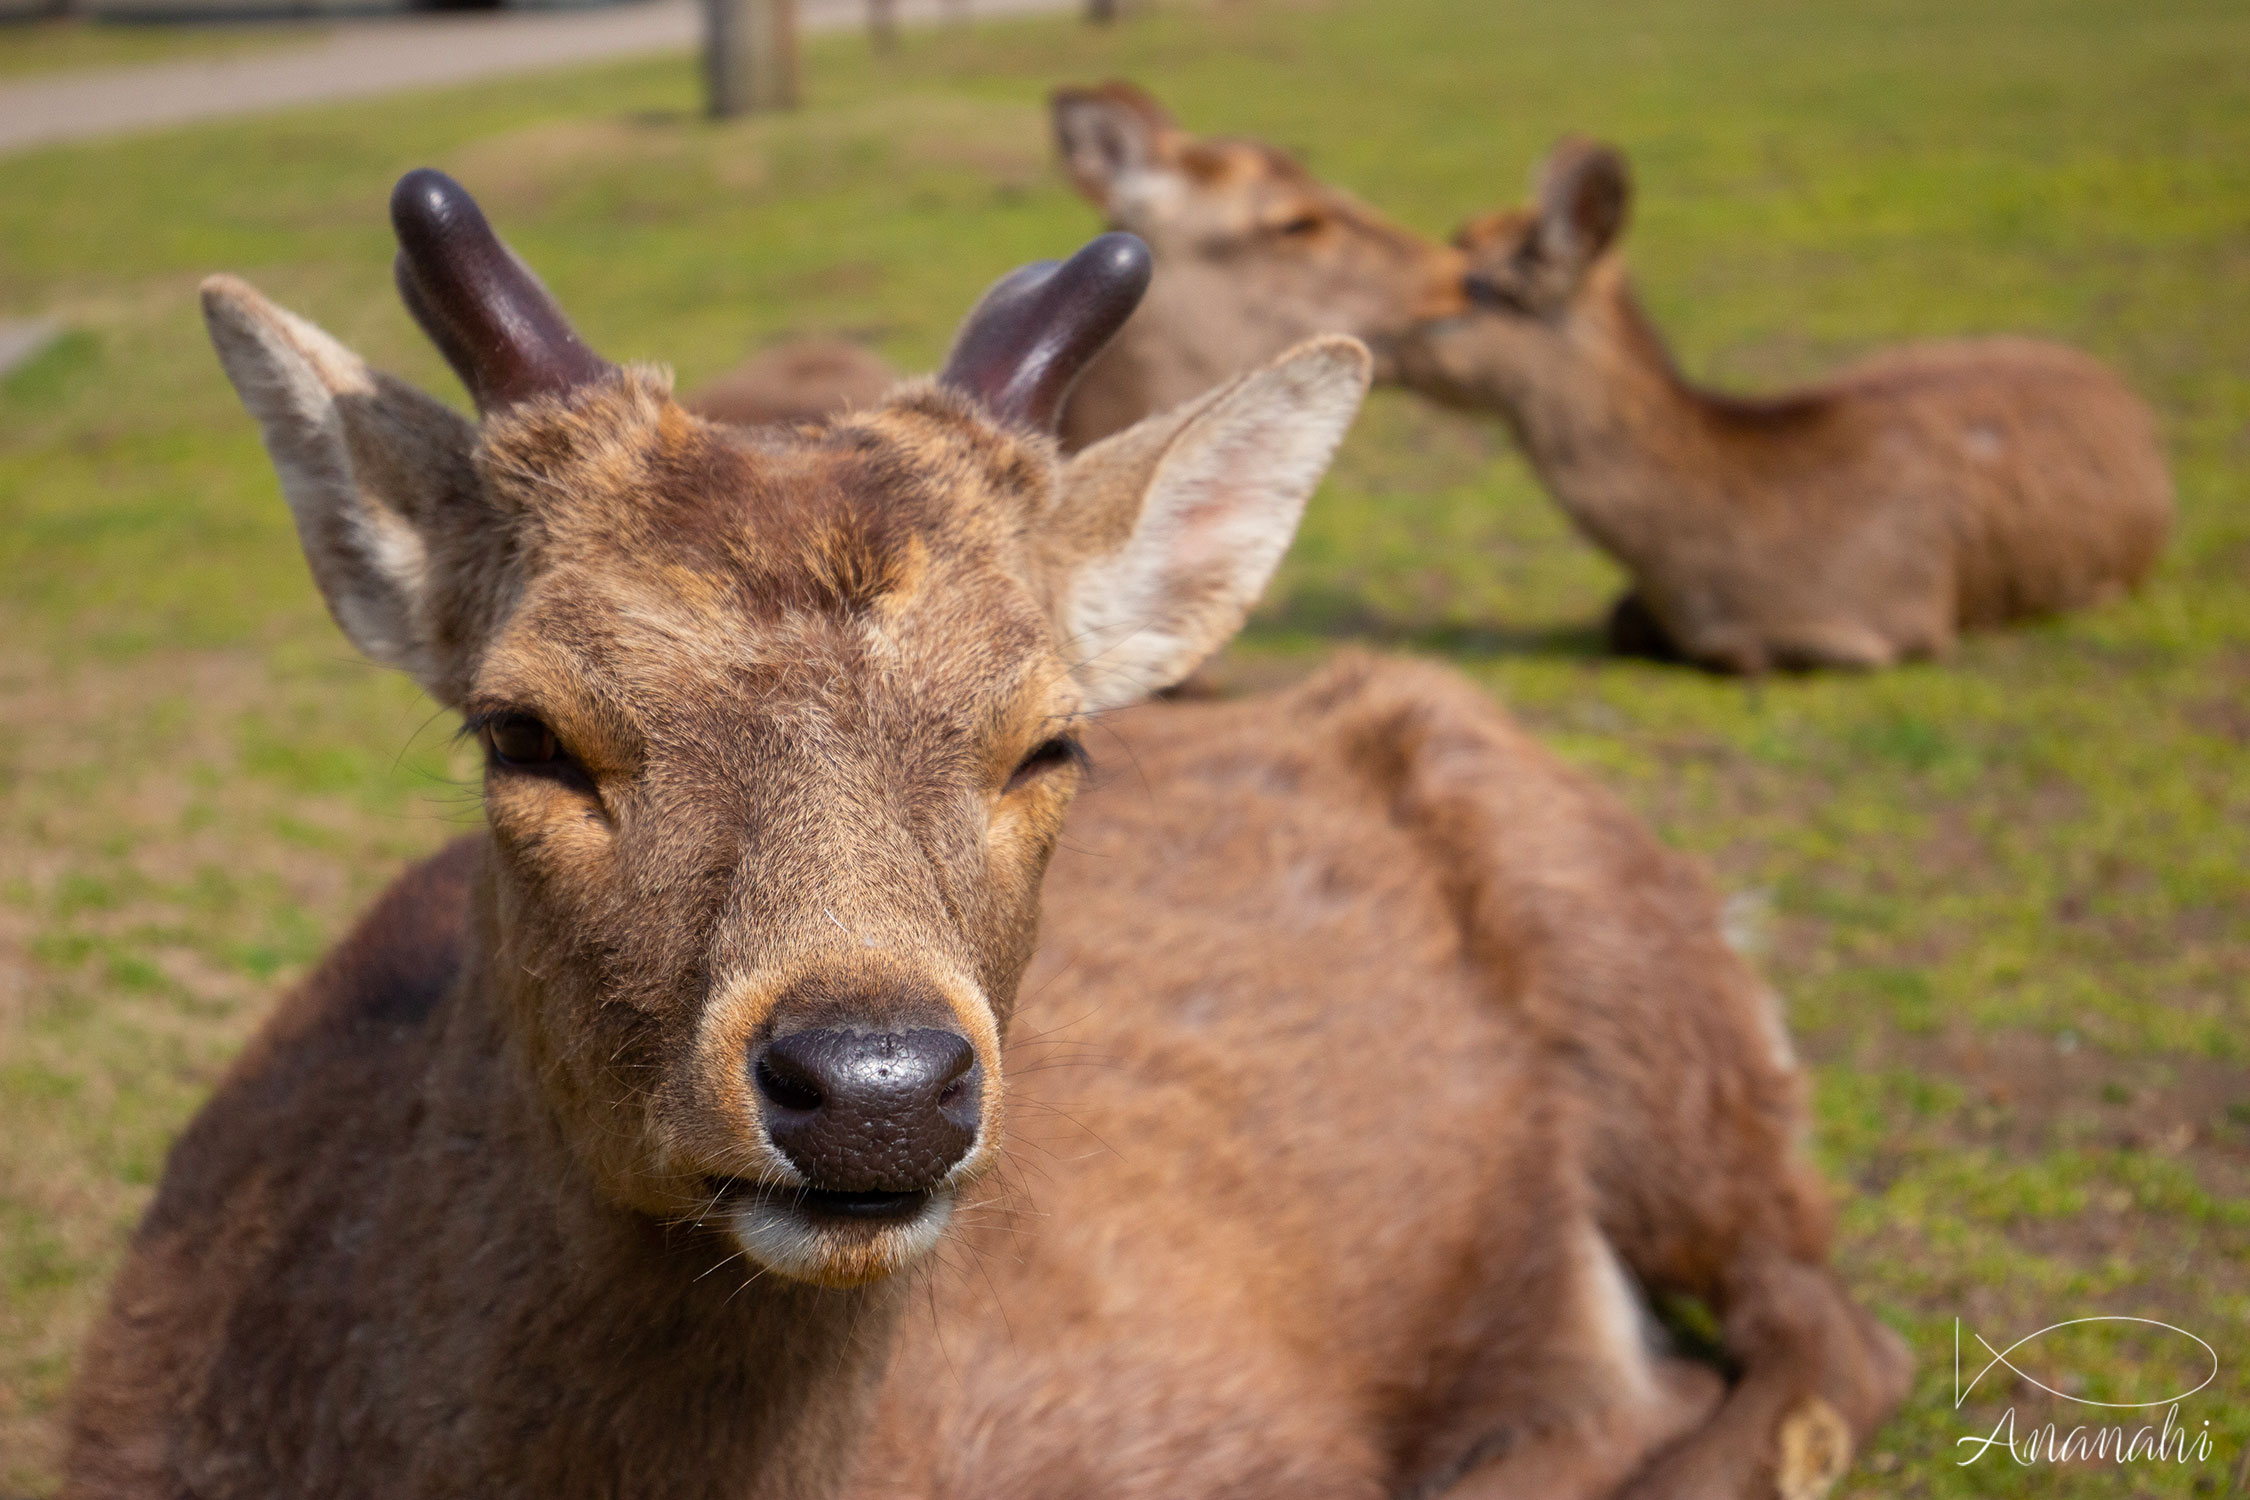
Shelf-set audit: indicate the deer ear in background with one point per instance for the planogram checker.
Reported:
(1584, 191)
(1107, 133)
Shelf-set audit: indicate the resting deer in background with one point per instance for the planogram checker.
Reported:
(802, 380)
(589, 1163)
(1920, 492)
(1252, 255)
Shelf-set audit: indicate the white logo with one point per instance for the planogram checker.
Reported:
(2166, 1443)
(2004, 1357)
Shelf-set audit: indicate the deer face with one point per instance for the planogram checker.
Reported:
(1532, 262)
(1252, 252)
(1530, 273)
(780, 725)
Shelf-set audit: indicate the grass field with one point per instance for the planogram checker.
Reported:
(2008, 896)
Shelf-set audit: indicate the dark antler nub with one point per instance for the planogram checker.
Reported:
(1024, 346)
(489, 316)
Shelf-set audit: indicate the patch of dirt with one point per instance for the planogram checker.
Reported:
(2030, 1094)
(2227, 718)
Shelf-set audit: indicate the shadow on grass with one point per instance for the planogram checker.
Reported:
(1366, 627)
(1317, 615)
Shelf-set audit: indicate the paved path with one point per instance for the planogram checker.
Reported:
(354, 59)
(21, 342)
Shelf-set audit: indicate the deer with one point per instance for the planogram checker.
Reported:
(1253, 253)
(468, 1215)
(1923, 491)
(799, 380)
(1115, 1322)
(597, 1159)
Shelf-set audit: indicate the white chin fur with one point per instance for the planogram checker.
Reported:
(790, 1243)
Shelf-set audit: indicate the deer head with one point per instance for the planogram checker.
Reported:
(780, 725)
(1532, 261)
(1252, 252)
(1550, 324)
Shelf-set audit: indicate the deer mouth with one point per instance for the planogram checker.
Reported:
(824, 1203)
(828, 1237)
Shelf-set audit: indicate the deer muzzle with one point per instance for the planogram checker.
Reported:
(871, 1113)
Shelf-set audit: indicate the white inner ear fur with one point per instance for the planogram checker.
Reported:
(1215, 513)
(1101, 140)
(369, 559)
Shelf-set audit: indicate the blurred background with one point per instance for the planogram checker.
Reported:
(2004, 895)
(178, 12)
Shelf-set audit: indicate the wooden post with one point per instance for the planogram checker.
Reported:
(749, 55)
(882, 24)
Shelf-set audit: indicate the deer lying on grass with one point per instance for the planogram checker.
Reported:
(783, 743)
(1252, 254)
(587, 1164)
(1920, 492)
(803, 380)
(1402, 1052)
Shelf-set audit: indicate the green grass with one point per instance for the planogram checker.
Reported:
(2006, 895)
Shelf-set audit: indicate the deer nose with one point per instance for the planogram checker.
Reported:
(871, 1112)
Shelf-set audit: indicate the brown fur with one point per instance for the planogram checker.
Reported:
(335, 1293)
(804, 380)
(1252, 254)
(1324, 1213)
(474, 1214)
(1920, 492)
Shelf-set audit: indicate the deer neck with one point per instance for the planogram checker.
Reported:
(671, 1342)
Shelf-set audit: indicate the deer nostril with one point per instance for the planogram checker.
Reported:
(871, 1111)
(785, 1085)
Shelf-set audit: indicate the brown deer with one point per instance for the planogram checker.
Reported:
(802, 380)
(1420, 1050)
(1252, 254)
(1920, 492)
(586, 1166)
(1373, 1066)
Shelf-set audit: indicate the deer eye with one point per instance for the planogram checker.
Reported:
(1049, 755)
(521, 742)
(1303, 224)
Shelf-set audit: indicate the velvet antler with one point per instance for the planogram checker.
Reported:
(487, 313)
(1025, 344)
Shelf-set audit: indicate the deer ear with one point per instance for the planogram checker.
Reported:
(1166, 534)
(1584, 191)
(373, 470)
(1107, 134)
